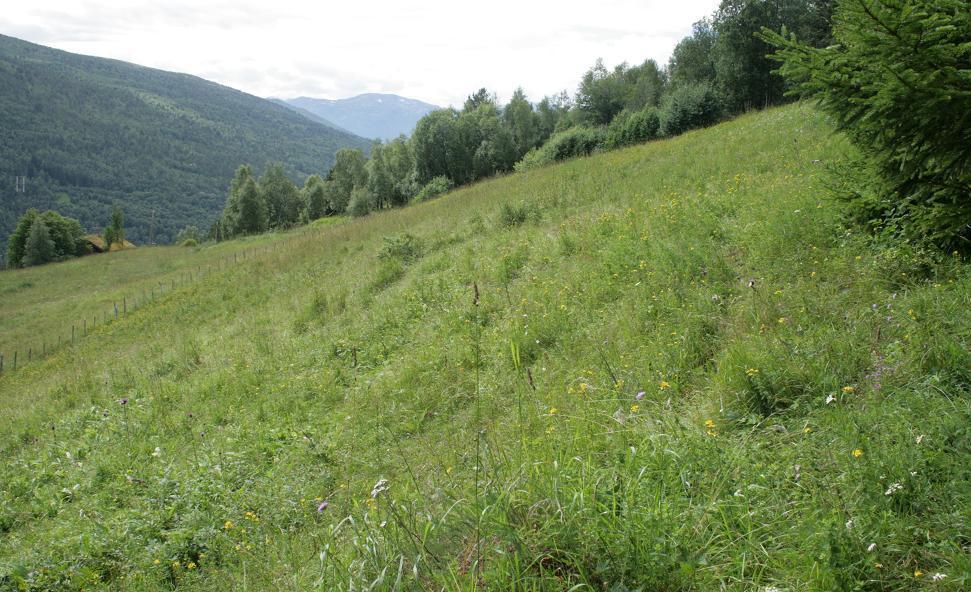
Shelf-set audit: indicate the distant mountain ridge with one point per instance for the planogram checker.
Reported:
(371, 115)
(89, 133)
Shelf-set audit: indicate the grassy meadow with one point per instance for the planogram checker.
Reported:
(669, 367)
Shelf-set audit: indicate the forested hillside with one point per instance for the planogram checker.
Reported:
(89, 133)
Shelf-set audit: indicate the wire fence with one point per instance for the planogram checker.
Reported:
(42, 348)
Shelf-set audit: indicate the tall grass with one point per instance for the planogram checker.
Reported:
(682, 372)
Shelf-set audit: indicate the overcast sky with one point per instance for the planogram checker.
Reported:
(435, 51)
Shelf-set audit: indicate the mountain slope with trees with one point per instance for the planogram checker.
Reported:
(91, 133)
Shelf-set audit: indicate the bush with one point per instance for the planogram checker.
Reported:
(433, 188)
(896, 82)
(577, 141)
(189, 242)
(634, 128)
(688, 107)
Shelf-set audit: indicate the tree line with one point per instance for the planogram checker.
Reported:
(719, 70)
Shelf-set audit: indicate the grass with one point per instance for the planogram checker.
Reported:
(663, 368)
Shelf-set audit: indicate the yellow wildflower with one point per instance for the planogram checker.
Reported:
(228, 525)
(857, 453)
(191, 565)
(918, 573)
(664, 385)
(635, 408)
(156, 562)
(709, 424)
(552, 411)
(849, 389)
(752, 371)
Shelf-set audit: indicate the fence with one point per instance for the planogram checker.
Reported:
(12, 360)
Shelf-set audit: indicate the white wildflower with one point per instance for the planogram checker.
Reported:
(849, 524)
(379, 487)
(920, 439)
(894, 487)
(830, 399)
(157, 452)
(871, 548)
(937, 577)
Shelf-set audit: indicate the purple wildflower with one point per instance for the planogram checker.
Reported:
(124, 401)
(323, 506)
(640, 395)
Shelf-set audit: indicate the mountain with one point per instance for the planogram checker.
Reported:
(371, 115)
(309, 115)
(88, 133)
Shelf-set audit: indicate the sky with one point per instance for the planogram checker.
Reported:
(435, 51)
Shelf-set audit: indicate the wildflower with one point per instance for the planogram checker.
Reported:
(918, 573)
(191, 565)
(123, 401)
(664, 385)
(156, 562)
(380, 487)
(552, 411)
(937, 577)
(894, 487)
(782, 320)
(920, 439)
(751, 372)
(709, 424)
(849, 524)
(857, 453)
(878, 565)
(640, 396)
(228, 525)
(807, 430)
(322, 507)
(871, 548)
(157, 452)
(830, 399)
(635, 408)
(849, 389)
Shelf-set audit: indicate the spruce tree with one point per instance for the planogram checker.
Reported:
(40, 247)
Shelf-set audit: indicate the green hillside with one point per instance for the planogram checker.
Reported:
(668, 367)
(90, 132)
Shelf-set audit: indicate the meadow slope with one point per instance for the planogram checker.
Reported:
(663, 368)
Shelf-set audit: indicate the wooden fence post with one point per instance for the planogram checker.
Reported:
(124, 303)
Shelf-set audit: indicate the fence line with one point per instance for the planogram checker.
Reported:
(8, 365)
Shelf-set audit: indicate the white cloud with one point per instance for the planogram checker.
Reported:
(438, 51)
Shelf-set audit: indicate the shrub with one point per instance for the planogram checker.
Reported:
(896, 82)
(688, 107)
(577, 141)
(634, 128)
(189, 242)
(433, 188)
